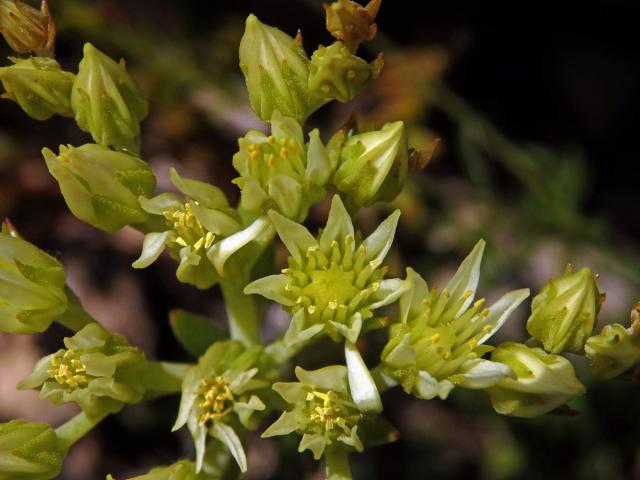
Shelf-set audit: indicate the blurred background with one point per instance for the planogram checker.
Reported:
(536, 105)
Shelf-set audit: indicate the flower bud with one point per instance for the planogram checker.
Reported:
(31, 286)
(27, 29)
(564, 312)
(107, 102)
(98, 370)
(335, 73)
(29, 451)
(101, 186)
(39, 86)
(374, 165)
(543, 381)
(276, 69)
(616, 349)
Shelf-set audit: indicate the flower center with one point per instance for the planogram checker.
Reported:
(189, 229)
(335, 284)
(215, 399)
(330, 414)
(67, 369)
(275, 156)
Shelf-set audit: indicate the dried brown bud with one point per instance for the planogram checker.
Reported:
(352, 23)
(27, 29)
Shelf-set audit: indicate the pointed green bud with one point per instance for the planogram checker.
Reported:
(323, 411)
(31, 286)
(338, 74)
(543, 381)
(39, 86)
(564, 312)
(276, 69)
(98, 370)
(101, 186)
(29, 451)
(220, 392)
(27, 29)
(374, 165)
(351, 22)
(107, 102)
(615, 350)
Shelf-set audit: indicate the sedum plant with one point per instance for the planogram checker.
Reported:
(336, 285)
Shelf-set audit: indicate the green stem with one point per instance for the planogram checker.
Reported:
(75, 317)
(163, 378)
(382, 381)
(70, 432)
(337, 464)
(242, 311)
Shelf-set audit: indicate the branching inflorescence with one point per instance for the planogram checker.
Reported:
(336, 284)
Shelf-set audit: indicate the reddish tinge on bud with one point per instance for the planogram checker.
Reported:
(352, 23)
(27, 29)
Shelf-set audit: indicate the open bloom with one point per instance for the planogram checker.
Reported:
(98, 370)
(438, 342)
(279, 171)
(334, 283)
(200, 229)
(323, 411)
(217, 393)
(31, 286)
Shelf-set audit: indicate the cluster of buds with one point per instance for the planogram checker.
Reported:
(32, 285)
(98, 370)
(279, 171)
(616, 349)
(27, 29)
(29, 451)
(200, 229)
(439, 341)
(333, 283)
(542, 381)
(39, 86)
(564, 313)
(102, 186)
(107, 102)
(219, 393)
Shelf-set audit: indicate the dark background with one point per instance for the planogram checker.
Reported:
(563, 77)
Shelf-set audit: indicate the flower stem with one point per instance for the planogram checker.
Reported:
(163, 378)
(73, 430)
(242, 311)
(75, 317)
(337, 464)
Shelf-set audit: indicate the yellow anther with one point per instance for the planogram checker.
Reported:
(208, 239)
(311, 309)
(283, 142)
(446, 355)
(333, 305)
(435, 337)
(181, 241)
(473, 343)
(467, 294)
(271, 140)
(487, 328)
(283, 152)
